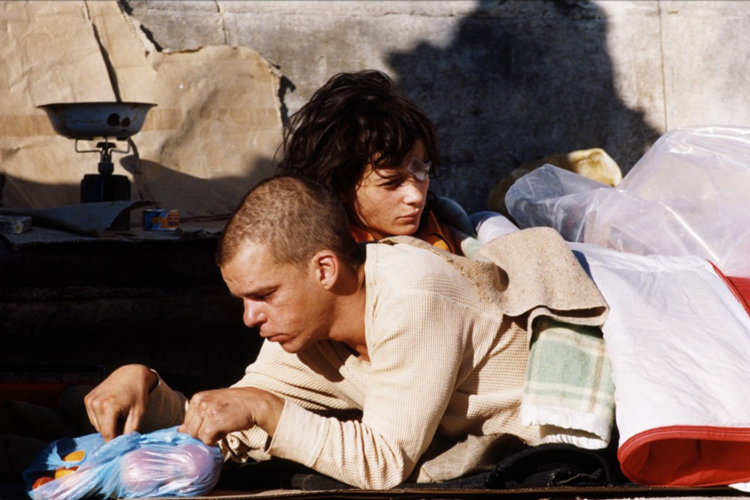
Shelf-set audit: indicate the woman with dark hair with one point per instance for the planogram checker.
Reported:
(376, 151)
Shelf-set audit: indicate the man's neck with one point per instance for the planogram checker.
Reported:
(349, 324)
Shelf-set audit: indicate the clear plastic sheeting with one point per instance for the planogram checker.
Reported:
(553, 197)
(688, 195)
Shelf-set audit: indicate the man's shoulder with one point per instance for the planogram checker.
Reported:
(404, 262)
(406, 252)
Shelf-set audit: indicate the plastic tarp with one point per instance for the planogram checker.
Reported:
(679, 345)
(688, 195)
(659, 247)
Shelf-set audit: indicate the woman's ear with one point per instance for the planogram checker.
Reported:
(326, 268)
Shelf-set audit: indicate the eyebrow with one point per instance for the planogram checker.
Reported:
(259, 292)
(383, 180)
(390, 178)
(382, 172)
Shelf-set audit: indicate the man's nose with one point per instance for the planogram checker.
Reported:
(253, 315)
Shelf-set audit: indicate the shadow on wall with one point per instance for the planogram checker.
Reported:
(152, 181)
(192, 195)
(24, 192)
(520, 81)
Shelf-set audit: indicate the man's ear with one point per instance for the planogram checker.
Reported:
(326, 268)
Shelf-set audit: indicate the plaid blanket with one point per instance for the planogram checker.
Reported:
(569, 389)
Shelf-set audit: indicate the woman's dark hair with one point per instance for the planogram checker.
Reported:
(354, 119)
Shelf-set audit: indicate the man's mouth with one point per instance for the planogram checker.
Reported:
(274, 337)
(268, 335)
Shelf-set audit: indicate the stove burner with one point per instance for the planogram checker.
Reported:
(107, 120)
(104, 186)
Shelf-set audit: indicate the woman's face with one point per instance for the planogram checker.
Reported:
(390, 201)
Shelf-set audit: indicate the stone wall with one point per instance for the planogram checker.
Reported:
(505, 82)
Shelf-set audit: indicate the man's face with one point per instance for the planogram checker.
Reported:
(285, 301)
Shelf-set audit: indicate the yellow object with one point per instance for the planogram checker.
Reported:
(593, 163)
(62, 471)
(75, 456)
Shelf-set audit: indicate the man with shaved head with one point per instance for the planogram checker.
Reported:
(426, 349)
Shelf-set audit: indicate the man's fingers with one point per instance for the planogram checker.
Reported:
(208, 433)
(93, 410)
(106, 420)
(92, 418)
(133, 421)
(201, 420)
(104, 415)
(190, 424)
(196, 427)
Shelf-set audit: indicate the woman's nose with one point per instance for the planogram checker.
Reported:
(413, 193)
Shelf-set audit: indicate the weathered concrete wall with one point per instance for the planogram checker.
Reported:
(504, 81)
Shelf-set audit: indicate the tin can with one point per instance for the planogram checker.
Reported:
(14, 224)
(161, 220)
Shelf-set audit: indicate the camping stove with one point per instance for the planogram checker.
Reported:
(111, 121)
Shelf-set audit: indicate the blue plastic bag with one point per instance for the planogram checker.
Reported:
(157, 464)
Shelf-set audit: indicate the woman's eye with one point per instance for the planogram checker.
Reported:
(393, 183)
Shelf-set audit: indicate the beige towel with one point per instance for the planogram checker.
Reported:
(529, 272)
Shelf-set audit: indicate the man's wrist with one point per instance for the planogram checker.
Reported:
(153, 379)
(270, 411)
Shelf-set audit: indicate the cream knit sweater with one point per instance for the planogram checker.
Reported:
(446, 359)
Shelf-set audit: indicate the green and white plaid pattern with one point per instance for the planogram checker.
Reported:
(569, 384)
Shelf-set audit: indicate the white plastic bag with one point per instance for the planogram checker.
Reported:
(553, 197)
(688, 195)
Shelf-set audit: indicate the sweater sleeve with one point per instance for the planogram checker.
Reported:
(304, 380)
(165, 408)
(415, 346)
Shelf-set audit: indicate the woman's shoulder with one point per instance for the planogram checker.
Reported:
(449, 211)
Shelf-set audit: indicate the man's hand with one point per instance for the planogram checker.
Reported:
(122, 395)
(212, 415)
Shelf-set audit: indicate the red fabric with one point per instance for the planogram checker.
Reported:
(684, 455)
(740, 287)
(687, 456)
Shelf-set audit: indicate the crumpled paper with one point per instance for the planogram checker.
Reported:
(212, 136)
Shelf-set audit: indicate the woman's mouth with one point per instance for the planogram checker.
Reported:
(411, 217)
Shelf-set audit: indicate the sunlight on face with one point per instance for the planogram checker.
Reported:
(281, 299)
(390, 202)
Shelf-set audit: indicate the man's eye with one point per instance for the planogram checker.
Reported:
(261, 297)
